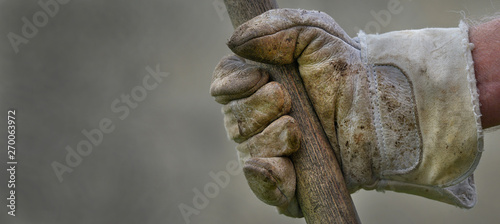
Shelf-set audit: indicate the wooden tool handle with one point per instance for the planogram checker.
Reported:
(321, 191)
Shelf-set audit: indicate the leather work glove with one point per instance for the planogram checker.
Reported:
(401, 107)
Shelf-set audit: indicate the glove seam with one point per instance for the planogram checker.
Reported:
(373, 98)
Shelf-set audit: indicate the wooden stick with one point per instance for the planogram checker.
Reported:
(321, 191)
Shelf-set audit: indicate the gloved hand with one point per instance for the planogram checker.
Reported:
(402, 107)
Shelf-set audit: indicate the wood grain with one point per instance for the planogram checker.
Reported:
(321, 191)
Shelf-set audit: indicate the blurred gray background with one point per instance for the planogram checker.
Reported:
(66, 77)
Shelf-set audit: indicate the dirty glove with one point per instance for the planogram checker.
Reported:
(255, 117)
(401, 107)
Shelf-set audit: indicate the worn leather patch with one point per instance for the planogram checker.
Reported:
(397, 120)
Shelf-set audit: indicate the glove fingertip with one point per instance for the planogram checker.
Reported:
(234, 79)
(271, 179)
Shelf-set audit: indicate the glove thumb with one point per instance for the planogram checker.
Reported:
(281, 36)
